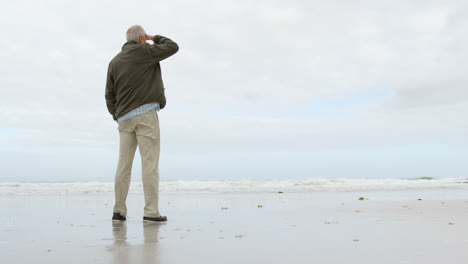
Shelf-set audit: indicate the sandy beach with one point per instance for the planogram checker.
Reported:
(328, 227)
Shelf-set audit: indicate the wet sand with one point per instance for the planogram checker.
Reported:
(386, 227)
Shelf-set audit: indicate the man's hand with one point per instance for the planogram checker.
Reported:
(149, 37)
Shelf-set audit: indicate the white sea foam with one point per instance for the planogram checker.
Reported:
(237, 186)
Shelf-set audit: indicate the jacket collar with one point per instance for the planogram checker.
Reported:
(130, 43)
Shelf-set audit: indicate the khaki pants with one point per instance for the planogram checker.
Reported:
(141, 130)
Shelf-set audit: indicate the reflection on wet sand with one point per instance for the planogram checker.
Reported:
(120, 248)
(135, 251)
(119, 230)
(151, 253)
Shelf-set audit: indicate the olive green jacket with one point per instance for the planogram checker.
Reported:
(134, 75)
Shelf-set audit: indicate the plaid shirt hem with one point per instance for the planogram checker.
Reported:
(139, 111)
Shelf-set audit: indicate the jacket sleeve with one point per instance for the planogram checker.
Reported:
(163, 48)
(110, 93)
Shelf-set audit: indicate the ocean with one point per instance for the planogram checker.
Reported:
(239, 186)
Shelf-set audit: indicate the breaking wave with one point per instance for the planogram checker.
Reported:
(237, 186)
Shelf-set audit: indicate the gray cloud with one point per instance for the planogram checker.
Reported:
(250, 76)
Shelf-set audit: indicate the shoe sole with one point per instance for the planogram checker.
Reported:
(154, 221)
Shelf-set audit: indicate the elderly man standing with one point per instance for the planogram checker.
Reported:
(134, 94)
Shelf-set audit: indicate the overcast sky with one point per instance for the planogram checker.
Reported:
(258, 90)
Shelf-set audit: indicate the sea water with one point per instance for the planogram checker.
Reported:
(241, 186)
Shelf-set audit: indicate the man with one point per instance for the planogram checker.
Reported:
(134, 94)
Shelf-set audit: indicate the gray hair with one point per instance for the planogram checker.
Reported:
(134, 32)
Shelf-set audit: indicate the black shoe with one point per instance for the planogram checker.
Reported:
(119, 217)
(155, 219)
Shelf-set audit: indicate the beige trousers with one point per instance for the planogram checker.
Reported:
(141, 130)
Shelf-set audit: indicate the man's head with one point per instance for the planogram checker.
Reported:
(136, 33)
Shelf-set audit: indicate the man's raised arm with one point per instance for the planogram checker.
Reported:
(163, 47)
